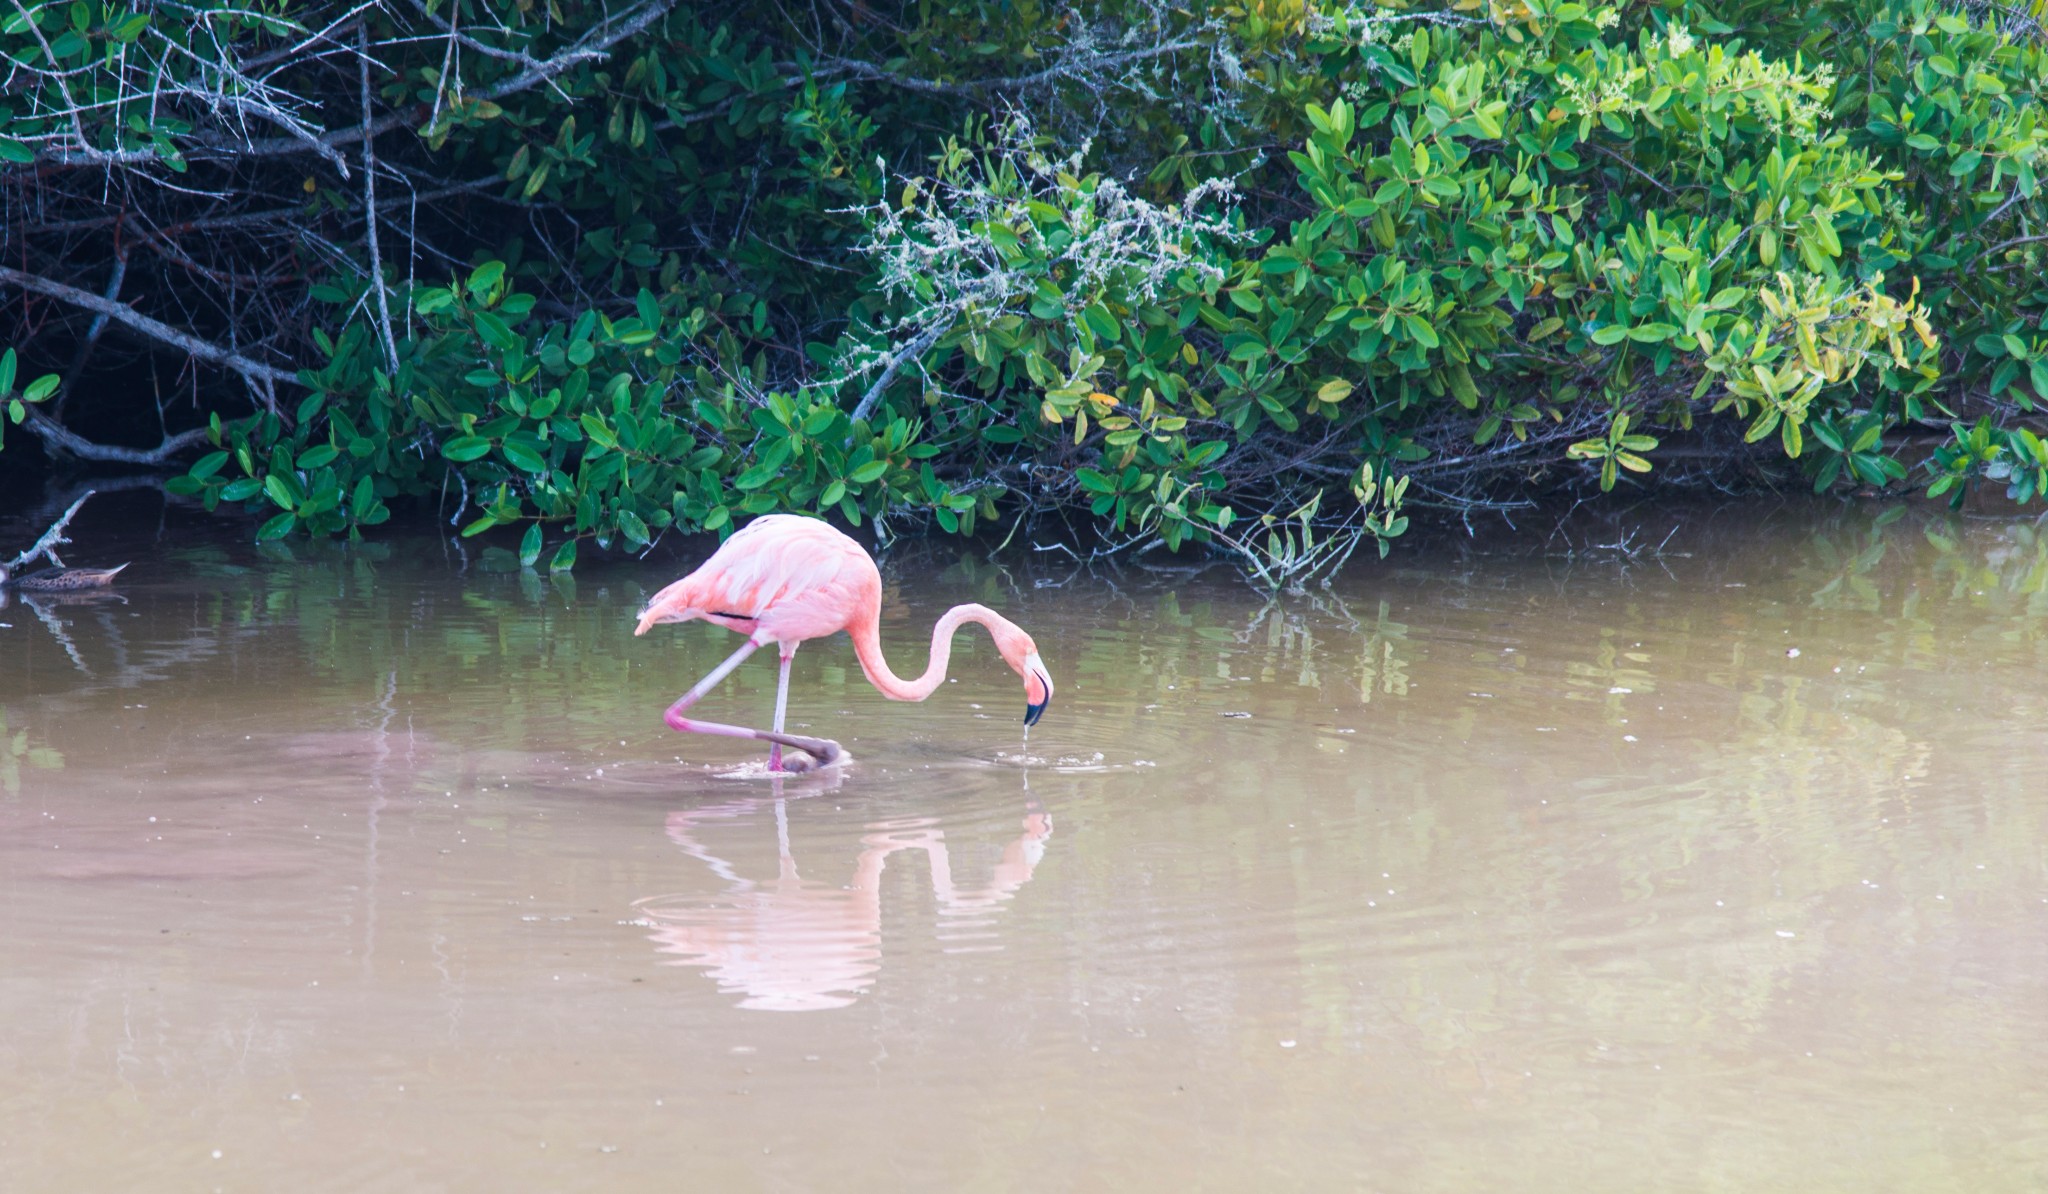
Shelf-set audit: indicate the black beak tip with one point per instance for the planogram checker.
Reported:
(1033, 712)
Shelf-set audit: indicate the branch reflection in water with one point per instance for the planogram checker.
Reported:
(42, 606)
(794, 944)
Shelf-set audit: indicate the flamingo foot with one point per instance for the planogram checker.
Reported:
(823, 752)
(818, 754)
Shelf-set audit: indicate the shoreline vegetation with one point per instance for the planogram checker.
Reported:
(1269, 279)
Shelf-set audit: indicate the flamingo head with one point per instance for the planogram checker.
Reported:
(1022, 656)
(670, 605)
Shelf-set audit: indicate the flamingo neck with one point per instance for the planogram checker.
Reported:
(867, 643)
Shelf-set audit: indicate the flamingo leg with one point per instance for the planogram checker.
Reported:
(781, 705)
(822, 750)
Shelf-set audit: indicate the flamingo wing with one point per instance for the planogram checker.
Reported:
(782, 575)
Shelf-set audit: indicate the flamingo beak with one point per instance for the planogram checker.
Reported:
(654, 615)
(1034, 669)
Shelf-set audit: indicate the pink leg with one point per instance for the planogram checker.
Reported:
(781, 705)
(823, 751)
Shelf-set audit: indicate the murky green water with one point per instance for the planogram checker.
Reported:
(373, 870)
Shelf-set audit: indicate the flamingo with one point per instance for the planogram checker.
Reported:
(786, 579)
(791, 944)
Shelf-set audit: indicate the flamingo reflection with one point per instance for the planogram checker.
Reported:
(793, 944)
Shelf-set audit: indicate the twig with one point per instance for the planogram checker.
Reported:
(284, 217)
(1638, 170)
(95, 330)
(370, 202)
(2014, 243)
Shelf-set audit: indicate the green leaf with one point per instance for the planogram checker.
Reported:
(1613, 333)
(464, 449)
(1335, 390)
(757, 476)
(818, 420)
(598, 430)
(486, 276)
(529, 546)
(206, 466)
(522, 457)
(278, 527)
(1094, 481)
(871, 471)
(565, 557)
(1100, 322)
(495, 331)
(41, 388)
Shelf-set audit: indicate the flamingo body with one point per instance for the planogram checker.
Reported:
(782, 577)
(786, 579)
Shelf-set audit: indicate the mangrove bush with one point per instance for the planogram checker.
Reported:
(1270, 275)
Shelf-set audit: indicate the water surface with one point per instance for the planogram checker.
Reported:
(1721, 867)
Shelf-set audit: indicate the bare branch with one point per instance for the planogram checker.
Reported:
(594, 46)
(370, 206)
(71, 443)
(251, 370)
(46, 547)
(909, 352)
(1072, 66)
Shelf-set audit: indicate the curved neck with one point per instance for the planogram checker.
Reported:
(867, 643)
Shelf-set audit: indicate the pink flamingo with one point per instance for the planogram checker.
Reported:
(783, 579)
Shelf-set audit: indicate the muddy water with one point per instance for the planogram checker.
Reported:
(1724, 868)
